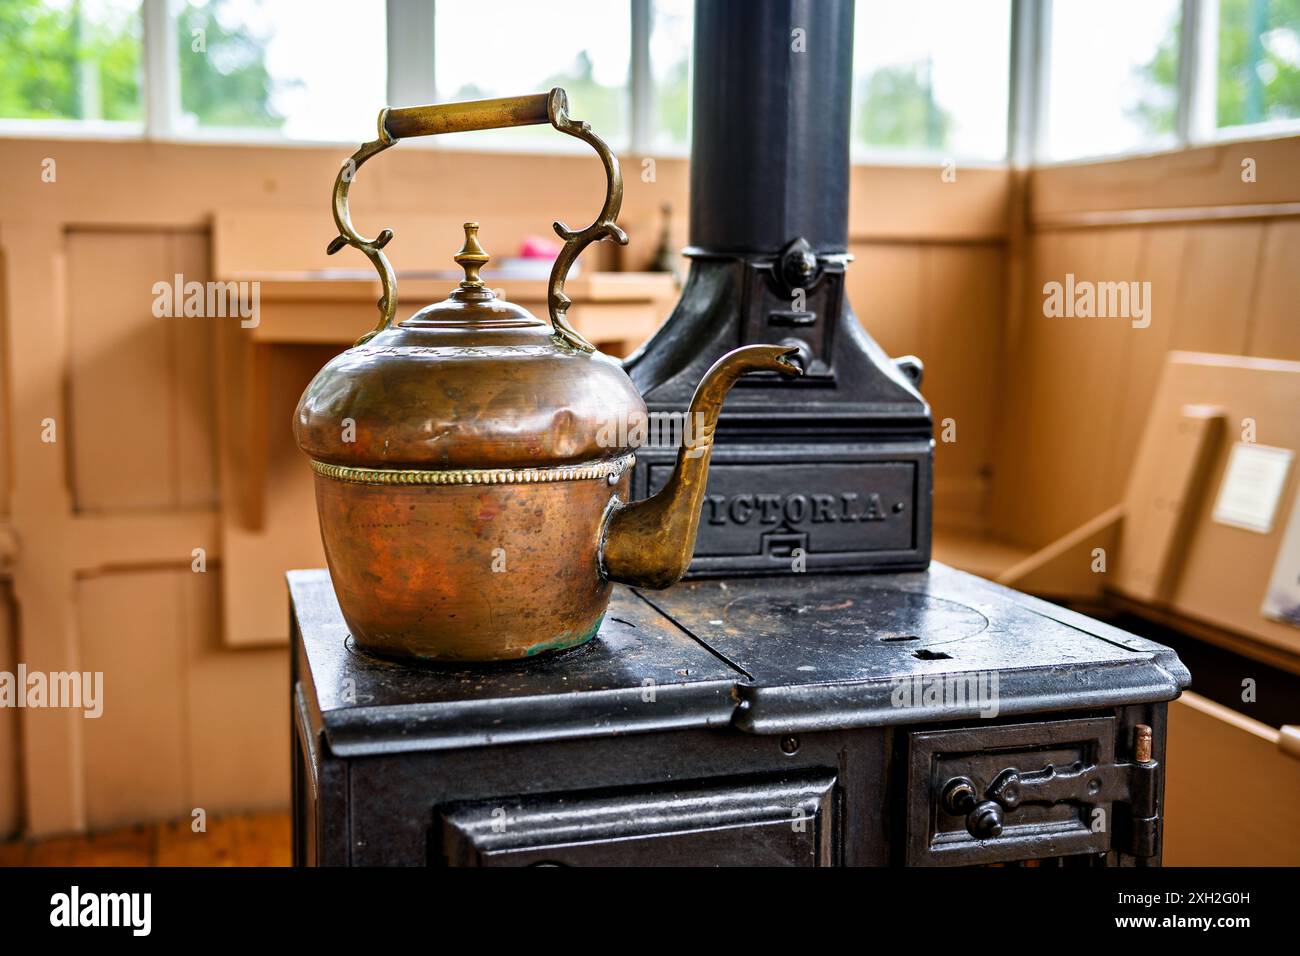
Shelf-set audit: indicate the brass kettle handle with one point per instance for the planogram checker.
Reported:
(396, 124)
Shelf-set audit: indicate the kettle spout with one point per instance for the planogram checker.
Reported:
(649, 543)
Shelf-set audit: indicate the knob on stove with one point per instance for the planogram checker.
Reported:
(961, 798)
(985, 821)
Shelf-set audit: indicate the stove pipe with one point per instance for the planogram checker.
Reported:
(770, 147)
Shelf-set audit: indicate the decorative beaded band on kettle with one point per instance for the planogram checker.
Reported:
(607, 468)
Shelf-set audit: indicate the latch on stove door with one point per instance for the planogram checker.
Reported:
(1133, 784)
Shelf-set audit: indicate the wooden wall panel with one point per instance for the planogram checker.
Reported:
(6, 412)
(1012, 477)
(186, 723)
(1063, 393)
(1208, 176)
(256, 603)
(1115, 343)
(963, 302)
(140, 386)
(1207, 744)
(1160, 259)
(904, 204)
(237, 732)
(134, 756)
(11, 816)
(1221, 256)
(1275, 324)
(1060, 368)
(943, 302)
(1080, 388)
(884, 288)
(192, 417)
(118, 398)
(1217, 287)
(42, 582)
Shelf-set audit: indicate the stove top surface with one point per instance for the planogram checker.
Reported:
(764, 655)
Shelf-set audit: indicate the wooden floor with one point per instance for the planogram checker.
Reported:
(260, 839)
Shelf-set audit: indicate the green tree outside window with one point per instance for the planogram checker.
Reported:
(60, 62)
(1257, 73)
(225, 81)
(80, 61)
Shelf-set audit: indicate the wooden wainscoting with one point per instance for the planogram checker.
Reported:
(1230, 791)
(944, 302)
(1220, 255)
(11, 816)
(110, 518)
(107, 518)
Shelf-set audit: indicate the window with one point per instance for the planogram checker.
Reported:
(1112, 84)
(320, 71)
(65, 60)
(1258, 64)
(1125, 77)
(307, 71)
(586, 50)
(932, 78)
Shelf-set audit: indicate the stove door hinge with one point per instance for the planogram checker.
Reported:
(1144, 814)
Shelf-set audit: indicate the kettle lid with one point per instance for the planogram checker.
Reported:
(471, 382)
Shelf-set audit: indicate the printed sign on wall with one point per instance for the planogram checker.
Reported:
(1252, 486)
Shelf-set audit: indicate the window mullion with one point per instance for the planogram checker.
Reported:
(162, 77)
(1197, 71)
(641, 79)
(1027, 104)
(411, 78)
(1188, 67)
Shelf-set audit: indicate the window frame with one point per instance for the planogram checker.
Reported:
(410, 79)
(411, 50)
(1196, 122)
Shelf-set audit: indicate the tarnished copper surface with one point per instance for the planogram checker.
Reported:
(470, 572)
(472, 463)
(470, 382)
(496, 564)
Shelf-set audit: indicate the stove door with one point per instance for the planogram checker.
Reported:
(781, 822)
(979, 795)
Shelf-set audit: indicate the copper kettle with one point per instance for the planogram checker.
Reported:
(472, 463)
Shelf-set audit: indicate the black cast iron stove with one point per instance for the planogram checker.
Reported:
(758, 715)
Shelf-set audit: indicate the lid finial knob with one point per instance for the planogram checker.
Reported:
(471, 258)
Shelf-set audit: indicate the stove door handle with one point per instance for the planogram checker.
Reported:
(984, 818)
